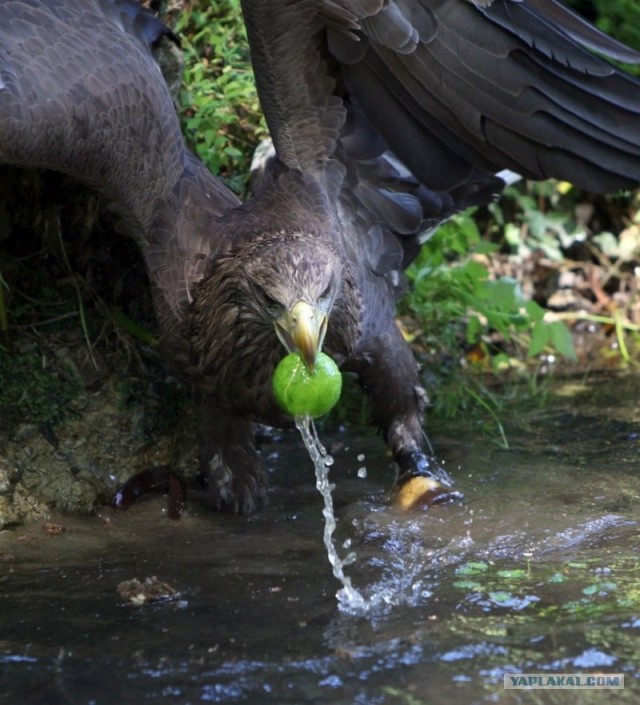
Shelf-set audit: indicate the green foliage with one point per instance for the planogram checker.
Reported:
(481, 322)
(538, 217)
(451, 283)
(586, 595)
(33, 391)
(219, 106)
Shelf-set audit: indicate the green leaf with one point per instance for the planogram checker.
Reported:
(474, 329)
(514, 573)
(485, 248)
(596, 588)
(467, 584)
(562, 340)
(503, 293)
(472, 568)
(534, 310)
(558, 578)
(474, 271)
(540, 336)
(500, 596)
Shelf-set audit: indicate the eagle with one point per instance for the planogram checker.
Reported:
(387, 117)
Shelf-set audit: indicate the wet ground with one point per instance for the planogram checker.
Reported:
(537, 571)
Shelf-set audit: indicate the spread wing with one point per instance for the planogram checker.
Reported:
(421, 102)
(81, 93)
(72, 74)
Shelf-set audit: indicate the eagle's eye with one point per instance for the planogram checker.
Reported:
(267, 299)
(327, 292)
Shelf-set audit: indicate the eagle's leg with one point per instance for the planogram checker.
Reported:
(398, 400)
(232, 471)
(390, 378)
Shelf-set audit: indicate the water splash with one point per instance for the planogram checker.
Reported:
(349, 597)
(402, 582)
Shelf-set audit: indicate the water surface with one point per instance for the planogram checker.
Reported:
(536, 571)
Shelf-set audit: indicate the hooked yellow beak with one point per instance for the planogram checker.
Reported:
(302, 328)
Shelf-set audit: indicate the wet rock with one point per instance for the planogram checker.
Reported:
(148, 590)
(78, 462)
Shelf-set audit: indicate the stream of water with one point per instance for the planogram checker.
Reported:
(349, 598)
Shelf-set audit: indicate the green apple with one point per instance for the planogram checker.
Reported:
(302, 393)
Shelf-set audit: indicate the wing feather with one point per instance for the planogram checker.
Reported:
(423, 101)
